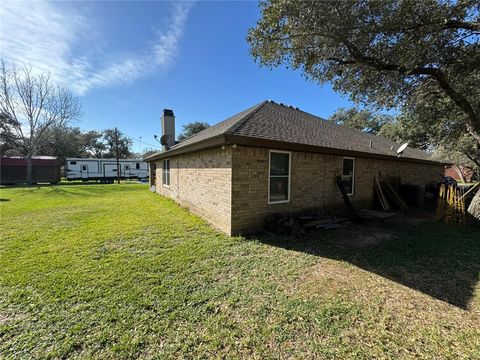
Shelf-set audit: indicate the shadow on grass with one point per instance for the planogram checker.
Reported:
(438, 260)
(76, 189)
(63, 183)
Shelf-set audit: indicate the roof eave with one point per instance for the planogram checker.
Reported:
(223, 139)
(285, 145)
(209, 143)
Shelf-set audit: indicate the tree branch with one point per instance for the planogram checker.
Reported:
(435, 73)
(455, 24)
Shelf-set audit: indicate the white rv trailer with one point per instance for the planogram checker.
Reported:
(105, 170)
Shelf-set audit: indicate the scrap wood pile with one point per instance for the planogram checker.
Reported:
(296, 224)
(387, 195)
(451, 206)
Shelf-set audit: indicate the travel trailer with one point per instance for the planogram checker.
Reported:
(105, 170)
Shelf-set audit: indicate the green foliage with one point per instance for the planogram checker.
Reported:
(65, 141)
(192, 128)
(10, 143)
(446, 145)
(116, 272)
(363, 120)
(124, 144)
(93, 143)
(148, 152)
(423, 56)
(404, 128)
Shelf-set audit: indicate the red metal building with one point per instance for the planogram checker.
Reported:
(13, 170)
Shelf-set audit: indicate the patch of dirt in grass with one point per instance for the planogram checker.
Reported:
(362, 236)
(4, 318)
(392, 313)
(371, 239)
(332, 278)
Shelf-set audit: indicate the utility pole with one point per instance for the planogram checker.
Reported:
(116, 154)
(140, 145)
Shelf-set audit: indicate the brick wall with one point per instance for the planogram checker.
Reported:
(312, 183)
(229, 187)
(201, 181)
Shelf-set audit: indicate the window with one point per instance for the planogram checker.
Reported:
(73, 163)
(279, 177)
(127, 167)
(348, 175)
(153, 173)
(84, 167)
(137, 166)
(166, 173)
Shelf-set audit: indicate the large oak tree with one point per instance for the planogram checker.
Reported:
(423, 56)
(420, 55)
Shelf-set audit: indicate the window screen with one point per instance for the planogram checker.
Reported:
(348, 175)
(166, 173)
(279, 179)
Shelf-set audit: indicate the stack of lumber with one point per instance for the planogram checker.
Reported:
(296, 224)
(380, 195)
(387, 194)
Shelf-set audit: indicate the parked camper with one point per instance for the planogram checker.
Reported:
(105, 170)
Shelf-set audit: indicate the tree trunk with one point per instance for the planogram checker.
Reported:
(29, 169)
(474, 208)
(474, 133)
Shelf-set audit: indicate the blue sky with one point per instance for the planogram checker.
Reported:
(129, 60)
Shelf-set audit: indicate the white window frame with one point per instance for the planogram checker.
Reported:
(289, 175)
(163, 171)
(353, 174)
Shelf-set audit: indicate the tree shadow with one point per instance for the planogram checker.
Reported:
(438, 260)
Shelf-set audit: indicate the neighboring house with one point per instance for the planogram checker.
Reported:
(462, 173)
(273, 158)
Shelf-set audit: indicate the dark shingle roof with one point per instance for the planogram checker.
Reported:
(276, 122)
(218, 129)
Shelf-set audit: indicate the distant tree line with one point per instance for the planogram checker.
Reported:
(67, 141)
(36, 116)
(443, 142)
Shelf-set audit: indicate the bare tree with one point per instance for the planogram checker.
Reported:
(33, 104)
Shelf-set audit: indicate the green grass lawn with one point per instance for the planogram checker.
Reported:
(114, 271)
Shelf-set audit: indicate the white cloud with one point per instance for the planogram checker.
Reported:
(46, 36)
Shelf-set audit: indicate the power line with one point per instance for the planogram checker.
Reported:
(141, 141)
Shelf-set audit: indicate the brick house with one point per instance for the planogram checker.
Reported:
(273, 158)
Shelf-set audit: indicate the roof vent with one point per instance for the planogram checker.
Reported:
(297, 108)
(282, 104)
